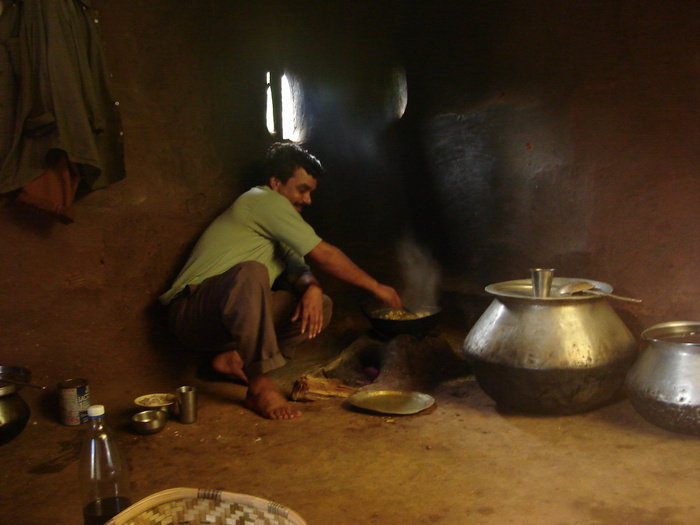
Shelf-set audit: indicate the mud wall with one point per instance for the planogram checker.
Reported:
(535, 134)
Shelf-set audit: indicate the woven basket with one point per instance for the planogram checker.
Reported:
(180, 506)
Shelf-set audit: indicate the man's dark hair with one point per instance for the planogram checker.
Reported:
(283, 158)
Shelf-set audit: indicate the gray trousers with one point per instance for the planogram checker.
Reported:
(237, 310)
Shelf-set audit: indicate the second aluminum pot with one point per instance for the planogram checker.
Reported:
(664, 383)
(549, 355)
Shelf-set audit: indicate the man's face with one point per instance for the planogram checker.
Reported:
(297, 189)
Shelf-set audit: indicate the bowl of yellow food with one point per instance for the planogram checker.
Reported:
(390, 322)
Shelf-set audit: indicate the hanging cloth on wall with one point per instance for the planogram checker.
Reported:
(54, 191)
(52, 53)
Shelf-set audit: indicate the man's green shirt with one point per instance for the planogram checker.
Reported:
(261, 225)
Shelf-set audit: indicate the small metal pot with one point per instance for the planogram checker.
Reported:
(14, 413)
(550, 355)
(664, 383)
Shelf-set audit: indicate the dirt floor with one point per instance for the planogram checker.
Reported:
(460, 461)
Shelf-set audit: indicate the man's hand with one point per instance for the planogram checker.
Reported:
(310, 311)
(388, 295)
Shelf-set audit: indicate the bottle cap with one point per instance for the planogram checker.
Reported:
(96, 411)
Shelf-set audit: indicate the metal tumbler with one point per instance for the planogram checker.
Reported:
(187, 401)
(541, 281)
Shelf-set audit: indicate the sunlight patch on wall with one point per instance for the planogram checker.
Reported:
(284, 103)
(399, 92)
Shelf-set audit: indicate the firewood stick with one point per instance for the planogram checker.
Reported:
(319, 388)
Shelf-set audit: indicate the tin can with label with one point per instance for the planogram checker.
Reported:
(74, 400)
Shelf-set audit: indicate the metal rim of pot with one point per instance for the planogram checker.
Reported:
(662, 332)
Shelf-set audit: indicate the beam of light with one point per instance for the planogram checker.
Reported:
(270, 118)
(290, 129)
(291, 121)
(400, 91)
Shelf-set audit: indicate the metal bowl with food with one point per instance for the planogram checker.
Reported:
(391, 322)
(163, 402)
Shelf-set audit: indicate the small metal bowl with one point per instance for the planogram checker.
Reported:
(149, 421)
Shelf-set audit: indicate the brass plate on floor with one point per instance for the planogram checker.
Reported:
(392, 401)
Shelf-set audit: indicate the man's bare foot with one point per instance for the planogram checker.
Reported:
(263, 398)
(230, 363)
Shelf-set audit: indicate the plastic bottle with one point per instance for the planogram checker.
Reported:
(104, 475)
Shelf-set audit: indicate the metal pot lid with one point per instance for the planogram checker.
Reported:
(522, 289)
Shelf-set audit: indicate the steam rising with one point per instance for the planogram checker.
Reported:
(421, 275)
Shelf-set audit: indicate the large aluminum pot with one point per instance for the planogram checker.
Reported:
(549, 355)
(664, 383)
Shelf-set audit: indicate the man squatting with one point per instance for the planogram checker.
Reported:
(246, 290)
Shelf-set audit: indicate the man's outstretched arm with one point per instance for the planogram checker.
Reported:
(335, 263)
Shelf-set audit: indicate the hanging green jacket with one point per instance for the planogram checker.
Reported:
(54, 94)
